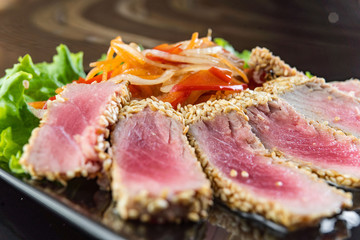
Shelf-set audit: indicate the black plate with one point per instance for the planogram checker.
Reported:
(319, 36)
(90, 209)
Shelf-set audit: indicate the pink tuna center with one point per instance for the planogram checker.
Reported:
(153, 155)
(288, 132)
(228, 144)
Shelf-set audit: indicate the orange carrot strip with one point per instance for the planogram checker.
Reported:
(194, 37)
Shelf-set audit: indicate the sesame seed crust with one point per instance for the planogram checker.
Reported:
(189, 204)
(285, 84)
(262, 58)
(106, 120)
(238, 197)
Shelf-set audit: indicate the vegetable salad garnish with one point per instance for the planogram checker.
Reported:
(187, 72)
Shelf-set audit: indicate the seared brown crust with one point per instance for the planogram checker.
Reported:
(106, 120)
(285, 84)
(250, 98)
(187, 204)
(263, 59)
(237, 197)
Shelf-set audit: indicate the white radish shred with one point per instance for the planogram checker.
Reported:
(130, 50)
(168, 85)
(135, 46)
(135, 80)
(184, 59)
(198, 51)
(193, 68)
(231, 65)
(161, 65)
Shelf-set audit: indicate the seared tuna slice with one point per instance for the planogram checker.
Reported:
(155, 173)
(319, 101)
(351, 86)
(71, 138)
(316, 147)
(263, 62)
(246, 177)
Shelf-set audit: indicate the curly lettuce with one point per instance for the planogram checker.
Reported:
(16, 119)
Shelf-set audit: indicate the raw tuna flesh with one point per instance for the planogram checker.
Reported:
(155, 173)
(246, 178)
(72, 132)
(331, 154)
(351, 86)
(319, 101)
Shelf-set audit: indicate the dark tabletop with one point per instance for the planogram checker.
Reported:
(322, 37)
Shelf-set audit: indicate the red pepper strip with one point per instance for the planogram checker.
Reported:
(223, 74)
(161, 60)
(214, 87)
(204, 80)
(169, 49)
(165, 48)
(50, 99)
(97, 78)
(175, 98)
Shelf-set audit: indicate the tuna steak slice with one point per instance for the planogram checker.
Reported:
(247, 178)
(71, 138)
(351, 86)
(262, 61)
(329, 153)
(155, 173)
(319, 101)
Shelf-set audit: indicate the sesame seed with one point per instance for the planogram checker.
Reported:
(233, 173)
(278, 183)
(244, 174)
(336, 119)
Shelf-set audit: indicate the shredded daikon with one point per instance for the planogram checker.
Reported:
(135, 80)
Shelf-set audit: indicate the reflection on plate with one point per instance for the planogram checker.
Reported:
(85, 205)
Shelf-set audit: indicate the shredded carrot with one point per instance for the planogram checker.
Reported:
(59, 90)
(37, 105)
(234, 68)
(124, 58)
(192, 43)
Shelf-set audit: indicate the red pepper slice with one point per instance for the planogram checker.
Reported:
(165, 48)
(205, 80)
(161, 60)
(223, 74)
(175, 98)
(97, 78)
(169, 49)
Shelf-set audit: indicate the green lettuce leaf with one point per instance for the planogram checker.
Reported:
(244, 55)
(16, 119)
(47, 77)
(308, 74)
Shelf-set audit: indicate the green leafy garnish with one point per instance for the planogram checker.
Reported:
(102, 58)
(308, 74)
(16, 120)
(244, 55)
